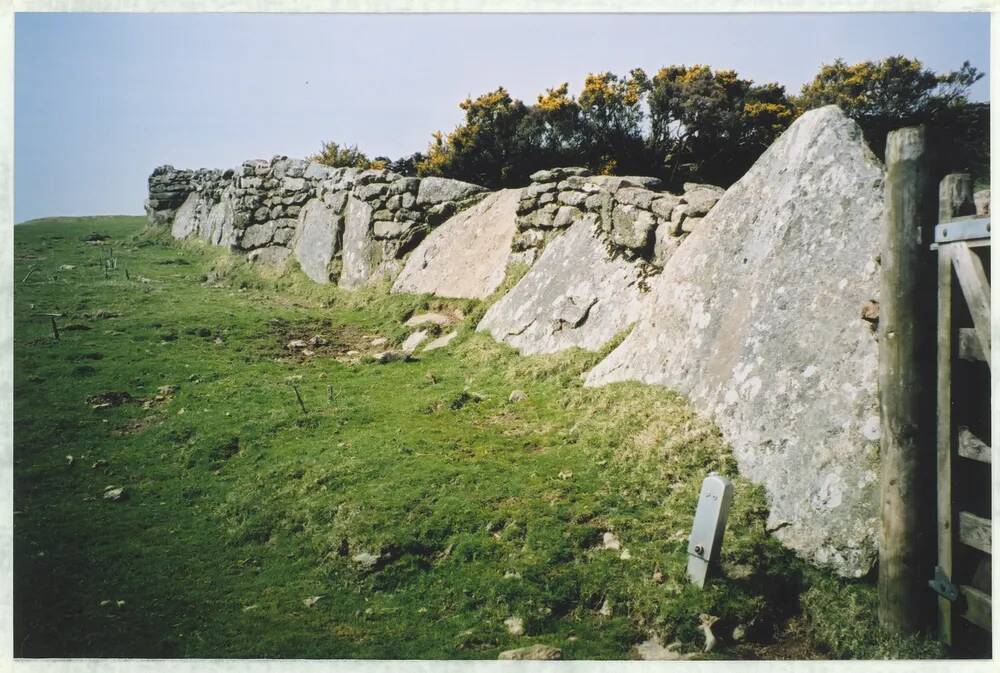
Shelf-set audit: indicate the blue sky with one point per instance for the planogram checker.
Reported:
(101, 99)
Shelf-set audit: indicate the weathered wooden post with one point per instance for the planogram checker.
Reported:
(906, 383)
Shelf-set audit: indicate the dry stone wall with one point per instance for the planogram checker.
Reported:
(762, 309)
(343, 225)
(635, 219)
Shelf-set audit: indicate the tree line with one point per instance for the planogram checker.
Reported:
(688, 123)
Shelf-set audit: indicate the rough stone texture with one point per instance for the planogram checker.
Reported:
(982, 199)
(261, 204)
(466, 256)
(318, 239)
(437, 190)
(627, 208)
(574, 295)
(361, 253)
(186, 218)
(757, 319)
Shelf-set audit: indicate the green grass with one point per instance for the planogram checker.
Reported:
(239, 506)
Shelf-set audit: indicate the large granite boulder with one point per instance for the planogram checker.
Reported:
(361, 253)
(186, 218)
(467, 255)
(757, 318)
(317, 238)
(576, 294)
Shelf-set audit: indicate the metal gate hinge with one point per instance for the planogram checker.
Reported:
(942, 585)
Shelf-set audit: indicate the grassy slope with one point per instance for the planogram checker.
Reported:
(240, 506)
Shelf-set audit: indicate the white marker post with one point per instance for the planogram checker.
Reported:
(709, 526)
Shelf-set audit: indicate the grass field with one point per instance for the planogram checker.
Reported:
(420, 504)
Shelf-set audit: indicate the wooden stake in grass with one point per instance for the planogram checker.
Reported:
(55, 330)
(298, 396)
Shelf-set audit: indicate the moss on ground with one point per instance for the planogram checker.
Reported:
(468, 508)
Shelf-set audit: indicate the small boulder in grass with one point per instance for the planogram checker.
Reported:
(295, 344)
(515, 626)
(537, 652)
(517, 396)
(317, 341)
(115, 493)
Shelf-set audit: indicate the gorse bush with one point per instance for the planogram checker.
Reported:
(689, 123)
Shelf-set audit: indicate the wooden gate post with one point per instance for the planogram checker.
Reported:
(906, 384)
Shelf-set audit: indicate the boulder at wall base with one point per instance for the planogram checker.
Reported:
(467, 256)
(317, 237)
(757, 319)
(186, 218)
(361, 252)
(574, 295)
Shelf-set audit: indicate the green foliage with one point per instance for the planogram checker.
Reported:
(899, 91)
(710, 125)
(343, 156)
(487, 149)
(843, 622)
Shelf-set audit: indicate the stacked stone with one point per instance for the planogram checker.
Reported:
(272, 209)
(637, 220)
(168, 188)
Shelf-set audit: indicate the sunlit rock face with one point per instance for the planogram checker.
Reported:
(757, 318)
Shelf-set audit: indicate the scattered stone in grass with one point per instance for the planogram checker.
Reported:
(441, 341)
(311, 601)
(565, 474)
(248, 608)
(625, 555)
(430, 377)
(517, 396)
(99, 463)
(307, 352)
(352, 353)
(706, 627)
(67, 267)
(115, 493)
(386, 357)
(380, 341)
(103, 314)
(295, 344)
(109, 399)
(95, 236)
(425, 318)
(653, 650)
(739, 633)
(537, 652)
(611, 541)
(69, 460)
(35, 378)
(317, 341)
(515, 626)
(75, 327)
(218, 340)
(366, 560)
(657, 576)
(120, 604)
(510, 575)
(606, 609)
(413, 341)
